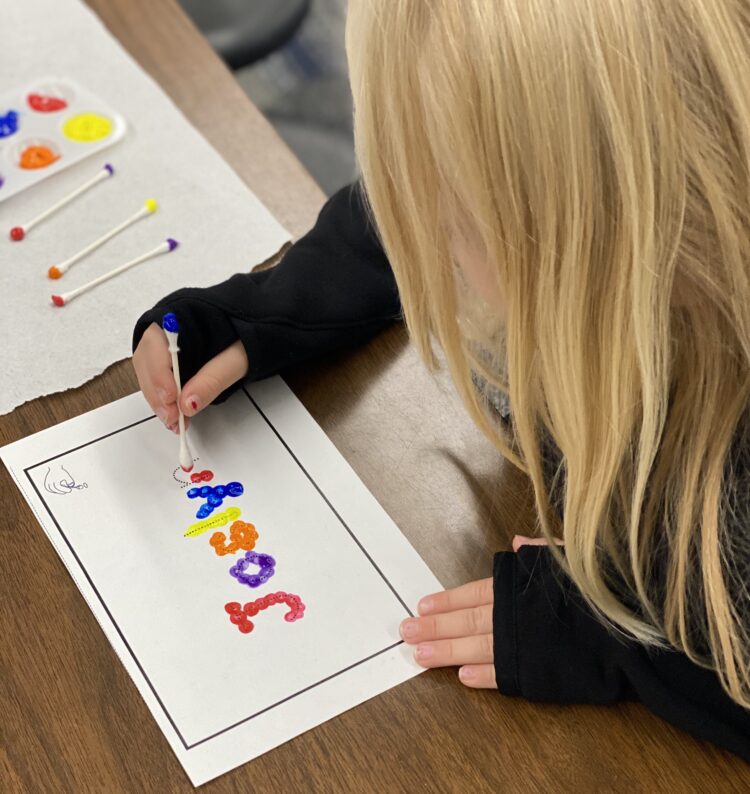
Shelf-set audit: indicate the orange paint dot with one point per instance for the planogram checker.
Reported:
(37, 157)
(242, 536)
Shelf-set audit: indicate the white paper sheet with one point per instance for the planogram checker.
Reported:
(118, 521)
(222, 227)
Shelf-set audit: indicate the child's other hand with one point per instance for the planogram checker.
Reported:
(454, 628)
(153, 368)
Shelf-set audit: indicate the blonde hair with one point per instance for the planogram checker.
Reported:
(599, 154)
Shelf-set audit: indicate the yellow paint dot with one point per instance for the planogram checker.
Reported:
(87, 127)
(151, 205)
(219, 520)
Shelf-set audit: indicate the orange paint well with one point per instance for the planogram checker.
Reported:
(33, 157)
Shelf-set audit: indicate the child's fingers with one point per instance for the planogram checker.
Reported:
(213, 378)
(149, 392)
(464, 597)
(478, 676)
(165, 401)
(167, 409)
(460, 623)
(153, 368)
(453, 653)
(522, 540)
(162, 381)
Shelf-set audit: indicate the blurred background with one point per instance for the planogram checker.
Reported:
(289, 57)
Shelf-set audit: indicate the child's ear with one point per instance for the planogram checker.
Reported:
(470, 254)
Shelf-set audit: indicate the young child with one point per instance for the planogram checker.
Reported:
(556, 194)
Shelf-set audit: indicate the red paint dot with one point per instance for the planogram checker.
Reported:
(57, 300)
(17, 233)
(46, 104)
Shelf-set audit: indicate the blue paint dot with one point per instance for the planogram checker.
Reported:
(8, 124)
(205, 491)
(169, 323)
(235, 489)
(193, 493)
(220, 491)
(215, 500)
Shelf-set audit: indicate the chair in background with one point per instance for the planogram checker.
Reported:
(244, 31)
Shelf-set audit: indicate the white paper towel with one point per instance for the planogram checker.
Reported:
(222, 227)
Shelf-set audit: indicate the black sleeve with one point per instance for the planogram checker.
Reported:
(549, 646)
(333, 288)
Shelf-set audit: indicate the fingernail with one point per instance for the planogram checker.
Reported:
(193, 402)
(409, 628)
(467, 674)
(173, 428)
(162, 414)
(162, 394)
(424, 651)
(425, 606)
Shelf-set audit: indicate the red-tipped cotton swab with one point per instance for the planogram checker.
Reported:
(17, 233)
(66, 297)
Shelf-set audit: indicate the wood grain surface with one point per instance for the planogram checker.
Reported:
(72, 719)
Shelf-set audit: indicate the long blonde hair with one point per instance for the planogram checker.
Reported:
(599, 153)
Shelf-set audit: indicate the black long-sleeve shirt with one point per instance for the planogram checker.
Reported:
(335, 288)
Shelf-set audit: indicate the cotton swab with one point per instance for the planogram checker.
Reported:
(167, 246)
(171, 328)
(17, 233)
(149, 207)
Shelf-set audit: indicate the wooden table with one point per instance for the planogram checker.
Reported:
(73, 719)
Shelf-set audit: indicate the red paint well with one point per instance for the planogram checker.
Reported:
(46, 104)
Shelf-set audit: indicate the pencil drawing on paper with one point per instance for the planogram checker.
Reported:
(63, 483)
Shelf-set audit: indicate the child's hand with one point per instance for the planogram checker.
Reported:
(153, 368)
(455, 629)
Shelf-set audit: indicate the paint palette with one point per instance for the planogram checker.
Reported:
(49, 125)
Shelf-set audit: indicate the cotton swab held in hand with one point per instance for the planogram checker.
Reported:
(171, 328)
(149, 207)
(17, 233)
(168, 245)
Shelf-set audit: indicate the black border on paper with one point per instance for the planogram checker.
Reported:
(122, 636)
